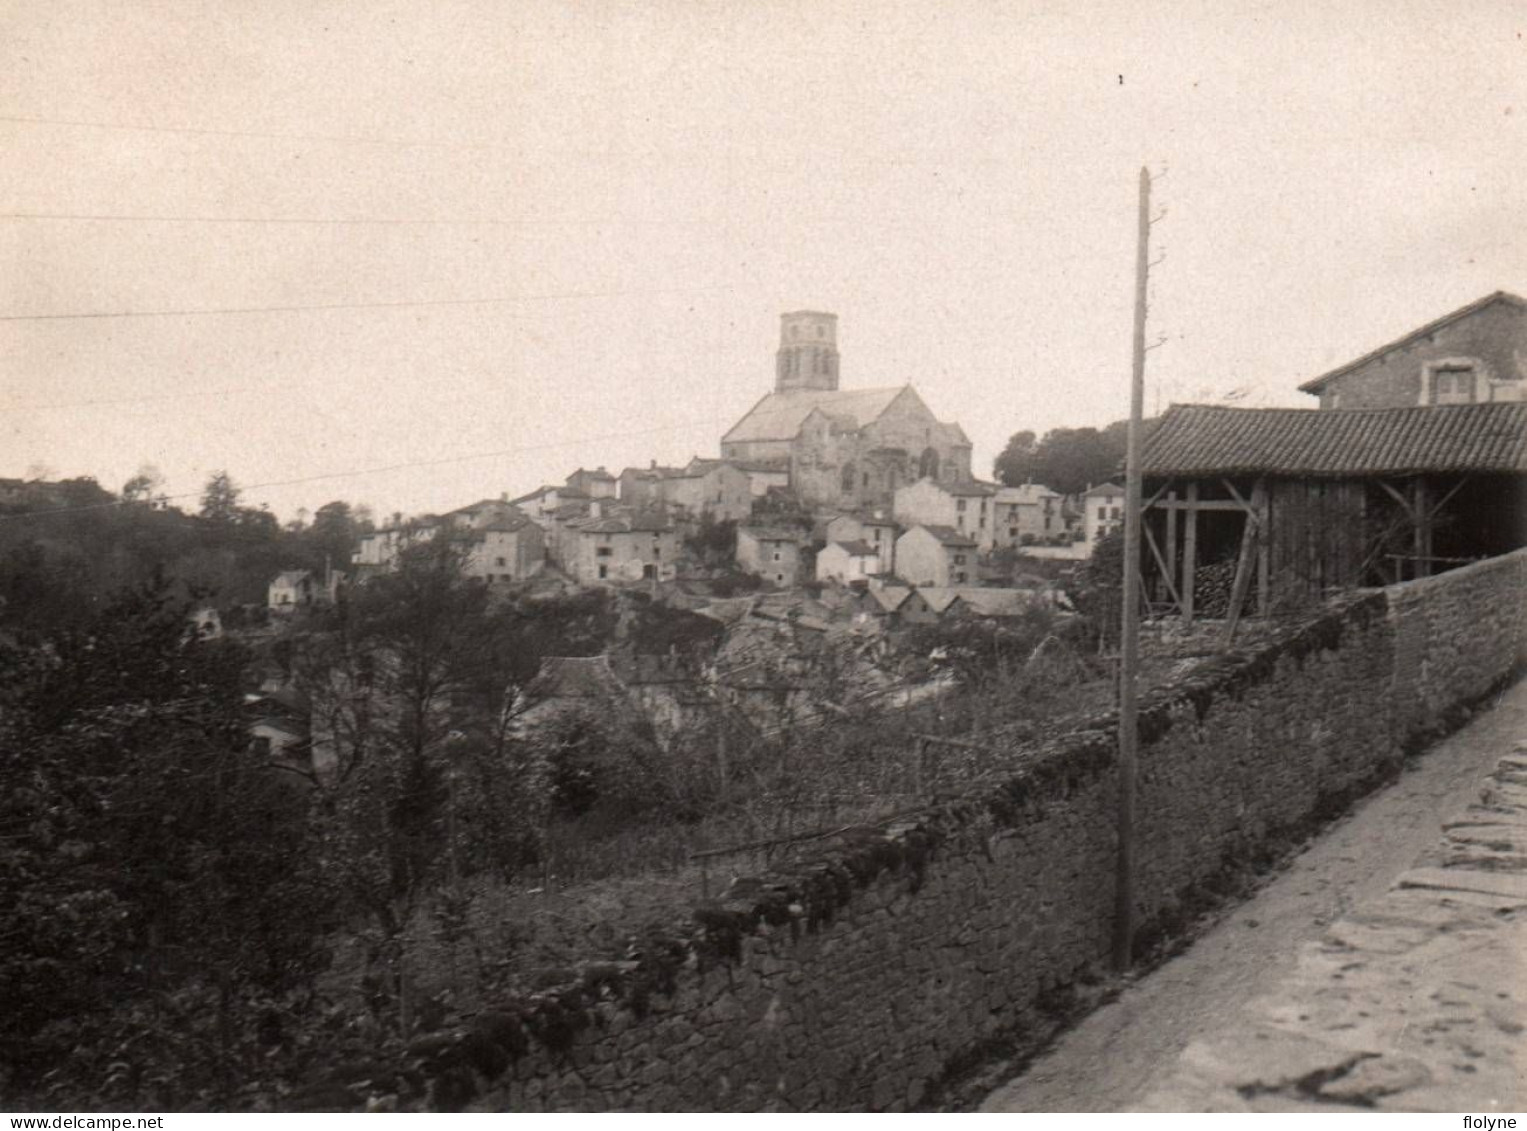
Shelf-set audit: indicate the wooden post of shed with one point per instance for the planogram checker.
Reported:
(1189, 552)
(1249, 535)
(1264, 552)
(1169, 566)
(1421, 509)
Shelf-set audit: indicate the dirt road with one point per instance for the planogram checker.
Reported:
(1116, 1057)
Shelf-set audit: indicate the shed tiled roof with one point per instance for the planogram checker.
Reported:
(1207, 439)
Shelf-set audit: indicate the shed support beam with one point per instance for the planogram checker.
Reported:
(1243, 565)
(1189, 553)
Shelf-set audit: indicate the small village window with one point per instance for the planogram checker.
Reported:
(1453, 386)
(1118, 512)
(603, 551)
(500, 562)
(776, 555)
(959, 559)
(1102, 514)
(959, 504)
(604, 572)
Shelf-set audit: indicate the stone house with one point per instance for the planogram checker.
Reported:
(508, 549)
(1475, 355)
(1102, 512)
(841, 448)
(542, 504)
(772, 553)
(936, 555)
(712, 487)
(1026, 514)
(596, 484)
(644, 486)
(847, 562)
(478, 515)
(620, 544)
(965, 507)
(291, 590)
(875, 527)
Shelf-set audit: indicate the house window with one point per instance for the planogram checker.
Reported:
(657, 551)
(959, 504)
(960, 576)
(959, 559)
(1102, 514)
(604, 572)
(776, 555)
(500, 562)
(602, 551)
(1453, 386)
(1118, 512)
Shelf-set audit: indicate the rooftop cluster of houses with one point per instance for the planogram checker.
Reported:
(867, 487)
(851, 486)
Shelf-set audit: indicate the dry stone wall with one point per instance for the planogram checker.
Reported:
(855, 980)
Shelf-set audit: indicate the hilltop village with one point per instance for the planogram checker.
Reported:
(859, 492)
(460, 756)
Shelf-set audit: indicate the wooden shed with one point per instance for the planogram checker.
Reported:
(1284, 506)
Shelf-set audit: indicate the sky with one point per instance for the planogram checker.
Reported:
(415, 254)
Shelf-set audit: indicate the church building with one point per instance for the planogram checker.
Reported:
(843, 448)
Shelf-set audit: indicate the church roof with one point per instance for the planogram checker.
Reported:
(779, 416)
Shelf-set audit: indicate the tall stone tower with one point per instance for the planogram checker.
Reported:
(808, 352)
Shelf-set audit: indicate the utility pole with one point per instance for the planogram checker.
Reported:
(1129, 630)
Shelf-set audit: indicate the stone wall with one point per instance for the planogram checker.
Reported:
(1454, 634)
(856, 979)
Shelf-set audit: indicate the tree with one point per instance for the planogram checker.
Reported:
(158, 885)
(1015, 465)
(220, 498)
(333, 532)
(145, 487)
(414, 717)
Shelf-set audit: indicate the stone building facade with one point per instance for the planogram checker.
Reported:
(1475, 355)
(842, 448)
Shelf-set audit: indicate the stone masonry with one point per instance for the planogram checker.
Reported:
(857, 978)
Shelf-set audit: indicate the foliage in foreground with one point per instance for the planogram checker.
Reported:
(161, 912)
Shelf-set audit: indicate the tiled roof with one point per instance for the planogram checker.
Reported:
(858, 549)
(506, 525)
(625, 524)
(890, 597)
(1314, 385)
(1027, 493)
(970, 487)
(1108, 488)
(949, 536)
(779, 416)
(775, 533)
(1204, 439)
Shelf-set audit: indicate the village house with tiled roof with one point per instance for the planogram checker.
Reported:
(936, 555)
(1476, 354)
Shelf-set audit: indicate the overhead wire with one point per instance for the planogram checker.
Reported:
(440, 461)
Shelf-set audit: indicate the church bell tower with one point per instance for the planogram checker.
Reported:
(808, 352)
